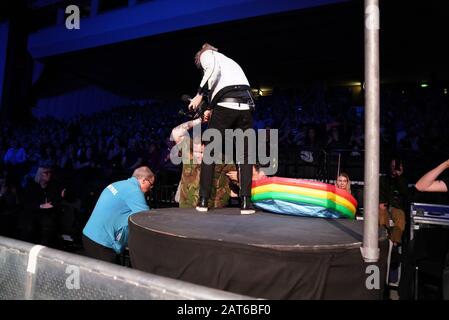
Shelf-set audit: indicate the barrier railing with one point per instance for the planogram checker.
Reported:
(29, 271)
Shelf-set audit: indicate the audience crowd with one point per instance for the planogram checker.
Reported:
(65, 164)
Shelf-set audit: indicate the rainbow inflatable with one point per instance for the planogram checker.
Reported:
(302, 198)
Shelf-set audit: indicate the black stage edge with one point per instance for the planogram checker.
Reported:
(263, 255)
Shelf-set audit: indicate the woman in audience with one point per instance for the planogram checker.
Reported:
(343, 182)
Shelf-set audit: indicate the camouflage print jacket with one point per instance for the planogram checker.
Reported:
(190, 186)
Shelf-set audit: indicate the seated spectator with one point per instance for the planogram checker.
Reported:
(153, 157)
(132, 158)
(115, 154)
(393, 194)
(334, 140)
(357, 140)
(41, 199)
(47, 155)
(312, 147)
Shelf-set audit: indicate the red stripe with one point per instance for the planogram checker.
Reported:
(306, 184)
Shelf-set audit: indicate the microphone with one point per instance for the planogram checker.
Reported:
(183, 114)
(186, 98)
(192, 113)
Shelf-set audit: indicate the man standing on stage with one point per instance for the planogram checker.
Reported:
(429, 182)
(230, 97)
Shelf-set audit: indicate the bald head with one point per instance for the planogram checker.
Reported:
(145, 177)
(143, 173)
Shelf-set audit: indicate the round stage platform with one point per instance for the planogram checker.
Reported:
(263, 255)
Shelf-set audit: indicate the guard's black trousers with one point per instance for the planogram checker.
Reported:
(97, 251)
(222, 119)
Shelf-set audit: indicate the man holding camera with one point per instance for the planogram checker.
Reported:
(230, 97)
(393, 199)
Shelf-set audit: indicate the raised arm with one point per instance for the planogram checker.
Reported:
(429, 182)
(180, 132)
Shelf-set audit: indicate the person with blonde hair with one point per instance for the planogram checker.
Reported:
(105, 235)
(343, 182)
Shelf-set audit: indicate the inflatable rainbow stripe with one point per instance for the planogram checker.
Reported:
(302, 198)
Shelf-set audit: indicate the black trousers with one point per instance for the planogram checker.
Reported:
(222, 119)
(97, 251)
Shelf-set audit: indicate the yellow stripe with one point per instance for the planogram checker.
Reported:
(305, 191)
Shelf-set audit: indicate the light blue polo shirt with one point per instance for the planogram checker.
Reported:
(108, 223)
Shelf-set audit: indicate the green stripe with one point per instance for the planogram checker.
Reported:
(297, 198)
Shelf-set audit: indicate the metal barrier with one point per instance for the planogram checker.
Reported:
(29, 271)
(163, 196)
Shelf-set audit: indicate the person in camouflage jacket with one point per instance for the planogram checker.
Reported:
(190, 186)
(190, 178)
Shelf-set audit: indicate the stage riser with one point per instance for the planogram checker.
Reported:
(244, 268)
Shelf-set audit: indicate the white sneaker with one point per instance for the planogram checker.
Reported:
(201, 209)
(246, 206)
(247, 211)
(202, 205)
